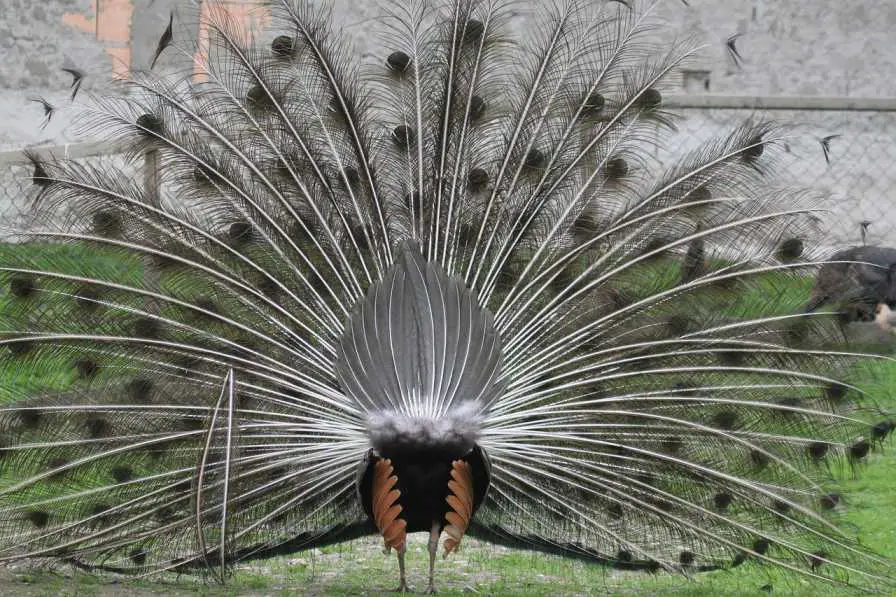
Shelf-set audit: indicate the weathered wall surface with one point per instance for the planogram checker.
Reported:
(789, 47)
(796, 47)
(822, 47)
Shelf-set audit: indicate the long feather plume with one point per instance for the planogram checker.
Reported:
(468, 236)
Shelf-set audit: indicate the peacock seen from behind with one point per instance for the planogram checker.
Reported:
(450, 292)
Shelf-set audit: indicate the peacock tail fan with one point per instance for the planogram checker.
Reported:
(472, 229)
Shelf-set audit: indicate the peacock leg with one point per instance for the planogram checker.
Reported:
(433, 549)
(402, 580)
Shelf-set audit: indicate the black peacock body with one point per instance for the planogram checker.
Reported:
(451, 293)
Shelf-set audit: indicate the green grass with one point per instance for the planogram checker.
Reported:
(360, 568)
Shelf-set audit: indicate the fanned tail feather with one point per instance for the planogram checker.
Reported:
(661, 403)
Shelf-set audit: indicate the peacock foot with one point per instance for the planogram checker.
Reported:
(403, 587)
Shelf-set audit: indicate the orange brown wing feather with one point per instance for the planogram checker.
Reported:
(461, 501)
(385, 507)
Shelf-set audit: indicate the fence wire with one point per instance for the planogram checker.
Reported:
(857, 177)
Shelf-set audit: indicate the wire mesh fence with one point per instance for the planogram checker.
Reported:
(842, 147)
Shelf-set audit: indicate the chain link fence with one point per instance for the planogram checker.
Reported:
(845, 148)
(856, 171)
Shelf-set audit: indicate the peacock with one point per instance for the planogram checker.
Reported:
(455, 290)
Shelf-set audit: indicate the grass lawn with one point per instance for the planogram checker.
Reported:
(869, 510)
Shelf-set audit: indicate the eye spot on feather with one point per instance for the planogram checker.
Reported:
(678, 325)
(57, 463)
(139, 390)
(860, 449)
(240, 233)
(18, 348)
(616, 169)
(624, 556)
(398, 62)
(477, 179)
(30, 418)
(829, 501)
(788, 402)
(147, 327)
(739, 558)
(615, 510)
(760, 459)
(38, 518)
(86, 298)
(122, 474)
(781, 507)
(722, 500)
(282, 46)
(731, 358)
(761, 546)
(752, 154)
(725, 420)
(97, 427)
(138, 556)
(534, 159)
(107, 224)
(836, 392)
(204, 307)
(473, 31)
(86, 368)
(817, 450)
(269, 288)
(259, 100)
(797, 332)
(165, 515)
(476, 108)
(403, 136)
(673, 445)
(593, 104)
(698, 194)
(686, 558)
(150, 125)
(23, 287)
(651, 99)
(98, 512)
(351, 176)
(790, 250)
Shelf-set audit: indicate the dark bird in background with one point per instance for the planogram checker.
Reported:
(164, 41)
(731, 47)
(857, 278)
(49, 110)
(426, 295)
(826, 146)
(77, 78)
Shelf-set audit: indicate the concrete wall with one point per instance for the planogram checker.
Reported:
(790, 47)
(793, 47)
